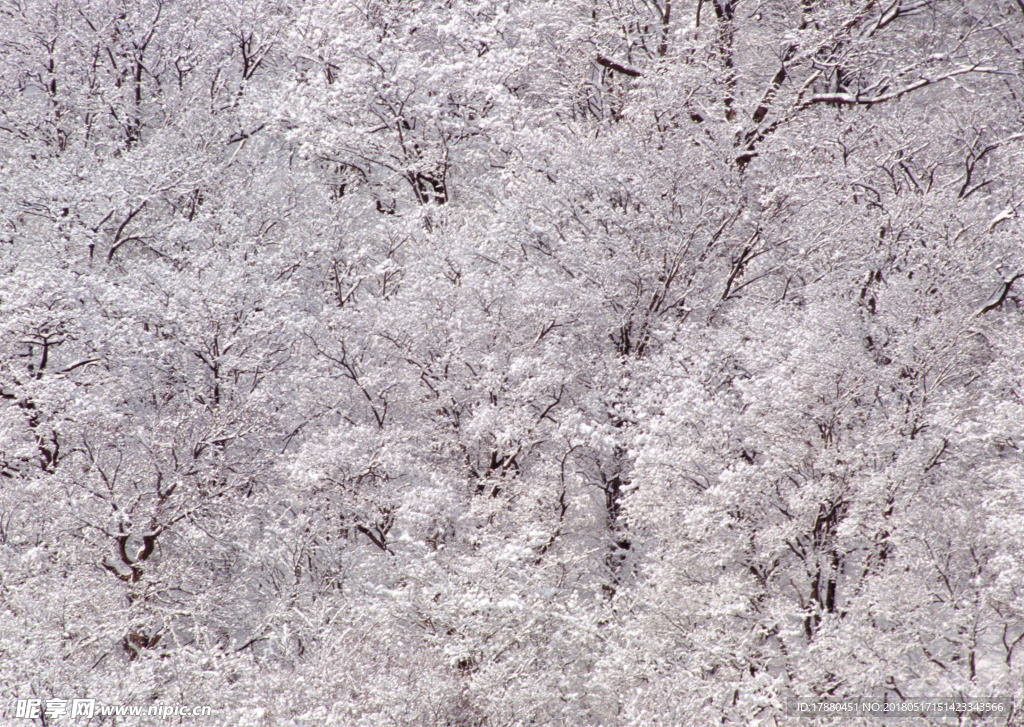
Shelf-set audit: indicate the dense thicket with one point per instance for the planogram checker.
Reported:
(569, 362)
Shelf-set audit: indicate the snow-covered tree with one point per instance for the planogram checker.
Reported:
(499, 363)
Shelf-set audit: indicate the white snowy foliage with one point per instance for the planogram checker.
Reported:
(511, 363)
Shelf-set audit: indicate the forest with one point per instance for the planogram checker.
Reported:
(498, 363)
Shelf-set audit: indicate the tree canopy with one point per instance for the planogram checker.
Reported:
(519, 362)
